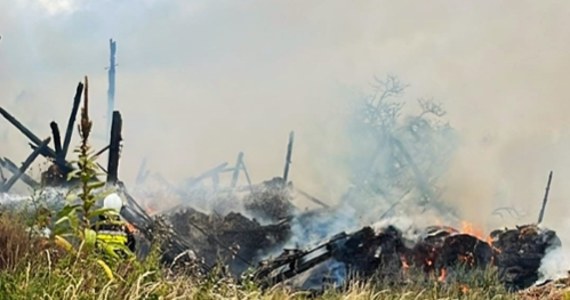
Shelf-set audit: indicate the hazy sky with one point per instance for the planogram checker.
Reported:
(199, 81)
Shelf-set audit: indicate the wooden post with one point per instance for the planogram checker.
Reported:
(114, 148)
(56, 142)
(288, 157)
(25, 165)
(111, 90)
(71, 122)
(541, 215)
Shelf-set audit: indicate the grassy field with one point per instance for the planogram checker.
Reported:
(32, 268)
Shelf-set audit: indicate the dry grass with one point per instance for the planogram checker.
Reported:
(16, 243)
(28, 272)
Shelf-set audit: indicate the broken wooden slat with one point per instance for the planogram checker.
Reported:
(114, 148)
(8, 185)
(71, 122)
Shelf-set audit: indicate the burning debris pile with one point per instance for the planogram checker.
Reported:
(440, 252)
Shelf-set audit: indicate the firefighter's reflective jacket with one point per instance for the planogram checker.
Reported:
(113, 233)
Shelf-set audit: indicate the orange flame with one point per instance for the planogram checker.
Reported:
(131, 227)
(405, 264)
(469, 228)
(443, 275)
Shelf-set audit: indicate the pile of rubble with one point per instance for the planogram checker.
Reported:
(439, 252)
(233, 239)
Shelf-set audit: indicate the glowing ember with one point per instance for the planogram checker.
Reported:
(405, 264)
(131, 228)
(442, 275)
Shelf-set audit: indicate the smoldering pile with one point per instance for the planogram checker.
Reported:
(235, 238)
(439, 252)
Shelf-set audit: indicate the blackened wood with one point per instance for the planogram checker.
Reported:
(102, 150)
(30, 135)
(56, 141)
(114, 148)
(288, 157)
(541, 215)
(72, 116)
(8, 185)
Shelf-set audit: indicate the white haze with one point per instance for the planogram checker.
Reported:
(199, 81)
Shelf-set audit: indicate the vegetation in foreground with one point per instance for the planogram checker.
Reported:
(32, 268)
(70, 263)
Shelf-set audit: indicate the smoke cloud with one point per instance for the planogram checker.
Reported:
(199, 81)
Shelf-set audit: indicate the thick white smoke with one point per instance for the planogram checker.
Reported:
(200, 81)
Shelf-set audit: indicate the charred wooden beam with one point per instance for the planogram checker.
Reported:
(71, 122)
(102, 150)
(13, 168)
(541, 215)
(30, 135)
(288, 157)
(114, 148)
(56, 141)
(8, 185)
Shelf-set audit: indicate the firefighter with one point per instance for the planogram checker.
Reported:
(111, 229)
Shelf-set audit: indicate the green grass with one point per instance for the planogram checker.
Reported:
(32, 269)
